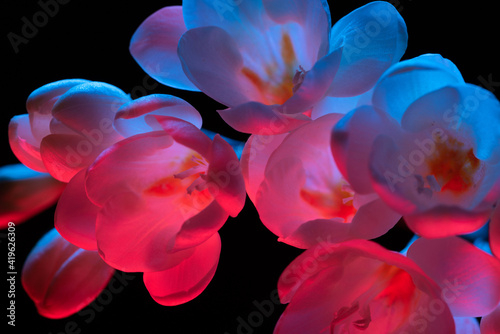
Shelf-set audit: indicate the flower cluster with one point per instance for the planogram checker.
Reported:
(345, 141)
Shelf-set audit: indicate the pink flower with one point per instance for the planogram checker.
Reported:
(269, 61)
(61, 278)
(490, 324)
(154, 201)
(301, 195)
(360, 286)
(25, 193)
(427, 147)
(69, 122)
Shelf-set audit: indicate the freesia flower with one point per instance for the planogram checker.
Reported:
(154, 201)
(269, 61)
(61, 278)
(358, 286)
(301, 195)
(69, 122)
(25, 193)
(427, 146)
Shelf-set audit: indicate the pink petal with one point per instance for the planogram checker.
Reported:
(444, 221)
(65, 155)
(130, 165)
(373, 37)
(256, 153)
(184, 282)
(130, 118)
(41, 101)
(61, 278)
(22, 143)
(224, 178)
(75, 215)
(154, 47)
(24, 193)
(468, 276)
(134, 233)
(185, 133)
(467, 326)
(490, 324)
(258, 118)
(211, 60)
(495, 232)
(201, 227)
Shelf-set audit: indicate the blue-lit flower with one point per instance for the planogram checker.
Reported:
(428, 146)
(269, 61)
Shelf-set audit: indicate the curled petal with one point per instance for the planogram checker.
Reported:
(468, 276)
(90, 109)
(22, 143)
(185, 281)
(61, 278)
(25, 193)
(224, 177)
(65, 155)
(154, 47)
(373, 38)
(130, 118)
(75, 215)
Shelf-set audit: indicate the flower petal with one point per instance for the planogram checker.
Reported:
(154, 47)
(350, 144)
(256, 153)
(75, 215)
(468, 276)
(61, 278)
(224, 177)
(373, 37)
(130, 118)
(490, 324)
(185, 281)
(24, 193)
(22, 143)
(408, 80)
(258, 118)
(134, 233)
(444, 221)
(41, 101)
(212, 61)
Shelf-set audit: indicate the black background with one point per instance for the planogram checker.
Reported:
(89, 39)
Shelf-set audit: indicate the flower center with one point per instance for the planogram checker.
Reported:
(393, 287)
(336, 202)
(187, 188)
(280, 78)
(452, 166)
